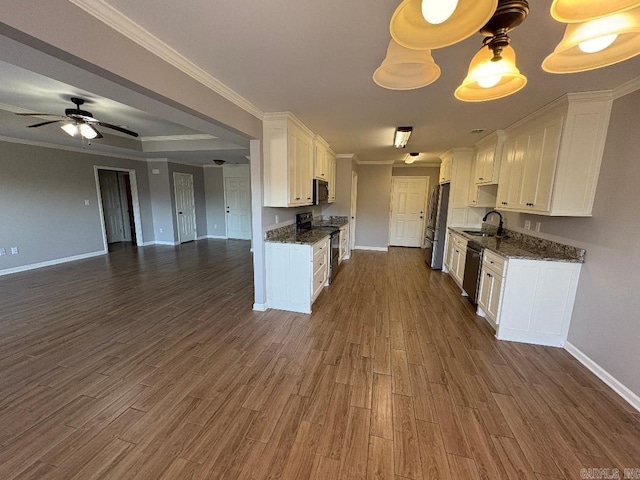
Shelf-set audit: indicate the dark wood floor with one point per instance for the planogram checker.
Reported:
(151, 364)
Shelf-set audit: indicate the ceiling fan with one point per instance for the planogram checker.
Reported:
(76, 121)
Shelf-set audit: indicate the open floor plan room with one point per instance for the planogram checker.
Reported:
(149, 363)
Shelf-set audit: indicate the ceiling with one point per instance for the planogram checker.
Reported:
(23, 91)
(316, 60)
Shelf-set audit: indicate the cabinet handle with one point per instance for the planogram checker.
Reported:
(481, 178)
(322, 174)
(308, 198)
(297, 198)
(489, 275)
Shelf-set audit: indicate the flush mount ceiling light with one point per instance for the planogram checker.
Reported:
(406, 69)
(430, 24)
(411, 157)
(572, 11)
(401, 136)
(493, 73)
(596, 43)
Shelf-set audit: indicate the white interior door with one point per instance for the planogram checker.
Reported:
(352, 219)
(185, 206)
(112, 206)
(408, 199)
(237, 192)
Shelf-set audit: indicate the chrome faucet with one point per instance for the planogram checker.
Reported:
(484, 219)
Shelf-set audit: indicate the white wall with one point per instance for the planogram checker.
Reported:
(214, 197)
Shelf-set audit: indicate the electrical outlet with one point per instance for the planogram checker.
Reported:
(537, 226)
(215, 226)
(277, 218)
(161, 230)
(14, 250)
(527, 224)
(3, 251)
(87, 203)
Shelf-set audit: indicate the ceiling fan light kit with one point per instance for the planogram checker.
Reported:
(409, 28)
(490, 80)
(596, 43)
(572, 11)
(406, 69)
(411, 157)
(401, 136)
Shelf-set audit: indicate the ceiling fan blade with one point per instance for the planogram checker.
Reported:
(99, 134)
(44, 123)
(116, 127)
(40, 115)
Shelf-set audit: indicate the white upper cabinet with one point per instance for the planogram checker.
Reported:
(445, 167)
(488, 158)
(288, 161)
(551, 159)
(321, 163)
(331, 162)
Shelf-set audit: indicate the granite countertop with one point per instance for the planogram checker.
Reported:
(332, 221)
(306, 237)
(518, 245)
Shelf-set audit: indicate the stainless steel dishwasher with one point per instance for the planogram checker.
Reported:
(472, 266)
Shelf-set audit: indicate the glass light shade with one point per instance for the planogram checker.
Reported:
(70, 128)
(406, 69)
(88, 132)
(572, 11)
(437, 11)
(569, 57)
(500, 79)
(401, 137)
(409, 160)
(409, 28)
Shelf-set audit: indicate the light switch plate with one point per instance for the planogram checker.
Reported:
(14, 250)
(3, 251)
(87, 202)
(527, 224)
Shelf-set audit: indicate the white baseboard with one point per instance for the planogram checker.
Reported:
(49, 263)
(347, 256)
(220, 237)
(260, 307)
(630, 397)
(170, 244)
(374, 249)
(146, 244)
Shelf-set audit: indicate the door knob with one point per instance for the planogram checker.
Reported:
(179, 213)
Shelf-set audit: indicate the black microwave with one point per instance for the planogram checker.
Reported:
(320, 192)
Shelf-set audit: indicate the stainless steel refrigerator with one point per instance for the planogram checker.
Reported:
(436, 226)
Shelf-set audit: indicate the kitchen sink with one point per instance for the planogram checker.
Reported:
(476, 233)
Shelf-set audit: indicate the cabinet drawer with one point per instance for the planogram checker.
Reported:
(493, 261)
(319, 279)
(460, 242)
(320, 252)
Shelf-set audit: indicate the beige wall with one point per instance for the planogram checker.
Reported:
(374, 200)
(214, 195)
(605, 323)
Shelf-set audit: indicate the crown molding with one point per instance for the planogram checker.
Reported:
(130, 29)
(169, 138)
(36, 143)
(626, 88)
(384, 162)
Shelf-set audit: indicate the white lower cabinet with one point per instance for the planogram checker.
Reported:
(529, 301)
(457, 257)
(296, 274)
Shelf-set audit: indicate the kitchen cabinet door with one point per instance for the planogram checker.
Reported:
(321, 161)
(331, 168)
(489, 294)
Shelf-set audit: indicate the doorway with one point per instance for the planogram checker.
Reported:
(185, 206)
(407, 215)
(352, 217)
(118, 206)
(237, 193)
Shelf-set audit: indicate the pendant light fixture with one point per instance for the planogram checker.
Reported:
(596, 43)
(85, 130)
(406, 69)
(415, 25)
(493, 72)
(572, 11)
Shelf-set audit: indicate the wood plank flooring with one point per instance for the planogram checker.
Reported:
(151, 364)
